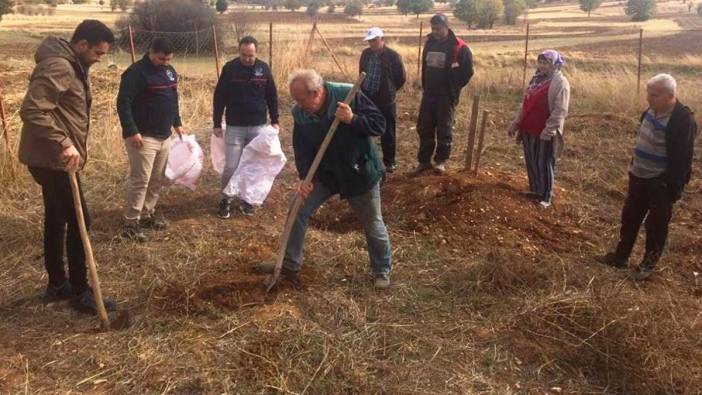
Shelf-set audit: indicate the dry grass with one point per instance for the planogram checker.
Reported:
(489, 296)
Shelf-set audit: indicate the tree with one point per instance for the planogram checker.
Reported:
(467, 11)
(124, 4)
(488, 12)
(6, 7)
(699, 9)
(113, 5)
(640, 10)
(292, 5)
(353, 8)
(513, 9)
(78, 1)
(221, 6)
(331, 9)
(589, 5)
(312, 8)
(414, 6)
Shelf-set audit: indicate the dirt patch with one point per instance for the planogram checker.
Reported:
(487, 210)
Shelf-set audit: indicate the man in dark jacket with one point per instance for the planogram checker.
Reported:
(56, 118)
(246, 89)
(447, 66)
(659, 170)
(147, 104)
(385, 76)
(350, 166)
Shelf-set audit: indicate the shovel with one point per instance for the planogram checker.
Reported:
(297, 201)
(122, 320)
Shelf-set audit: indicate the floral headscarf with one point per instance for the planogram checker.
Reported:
(540, 78)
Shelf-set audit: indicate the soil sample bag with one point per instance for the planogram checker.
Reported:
(185, 162)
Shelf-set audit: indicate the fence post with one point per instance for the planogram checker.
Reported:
(481, 137)
(326, 44)
(270, 45)
(471, 130)
(131, 44)
(419, 52)
(638, 72)
(526, 50)
(4, 123)
(216, 48)
(310, 40)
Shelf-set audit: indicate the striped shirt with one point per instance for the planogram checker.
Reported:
(650, 158)
(371, 85)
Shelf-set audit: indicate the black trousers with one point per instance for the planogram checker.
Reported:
(649, 199)
(61, 226)
(388, 139)
(435, 128)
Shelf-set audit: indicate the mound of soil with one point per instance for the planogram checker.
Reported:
(467, 212)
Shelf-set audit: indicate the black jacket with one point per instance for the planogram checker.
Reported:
(680, 136)
(147, 101)
(392, 76)
(459, 68)
(246, 92)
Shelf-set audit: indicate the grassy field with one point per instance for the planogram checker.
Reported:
(489, 295)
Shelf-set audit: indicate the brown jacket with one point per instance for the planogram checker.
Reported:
(56, 108)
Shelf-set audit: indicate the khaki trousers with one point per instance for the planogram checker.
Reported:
(147, 173)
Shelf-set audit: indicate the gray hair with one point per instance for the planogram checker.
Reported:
(666, 81)
(313, 81)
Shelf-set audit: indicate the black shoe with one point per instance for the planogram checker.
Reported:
(390, 168)
(421, 168)
(153, 222)
(225, 209)
(85, 303)
(611, 259)
(642, 272)
(133, 231)
(247, 209)
(57, 293)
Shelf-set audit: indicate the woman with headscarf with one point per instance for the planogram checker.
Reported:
(539, 124)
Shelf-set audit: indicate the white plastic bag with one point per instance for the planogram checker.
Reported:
(261, 161)
(185, 162)
(217, 147)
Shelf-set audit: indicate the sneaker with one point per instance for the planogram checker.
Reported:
(225, 209)
(382, 281)
(642, 272)
(440, 167)
(390, 168)
(85, 303)
(610, 259)
(57, 293)
(544, 204)
(247, 209)
(290, 275)
(421, 168)
(133, 231)
(153, 222)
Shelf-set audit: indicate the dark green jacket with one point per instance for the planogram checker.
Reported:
(350, 165)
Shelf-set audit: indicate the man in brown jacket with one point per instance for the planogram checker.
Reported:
(56, 116)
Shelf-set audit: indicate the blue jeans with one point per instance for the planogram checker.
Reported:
(236, 138)
(367, 209)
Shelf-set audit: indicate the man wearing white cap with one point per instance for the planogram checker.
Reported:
(385, 76)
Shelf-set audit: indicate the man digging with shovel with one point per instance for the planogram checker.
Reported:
(349, 167)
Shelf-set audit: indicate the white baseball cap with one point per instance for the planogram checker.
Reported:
(373, 32)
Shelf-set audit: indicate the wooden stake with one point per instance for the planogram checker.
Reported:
(216, 48)
(481, 137)
(526, 52)
(131, 44)
(471, 131)
(419, 52)
(297, 201)
(270, 45)
(326, 44)
(638, 72)
(5, 132)
(310, 39)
